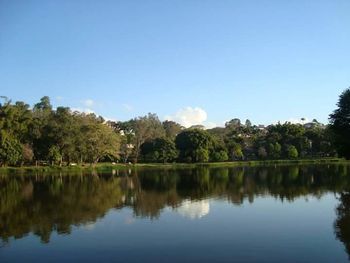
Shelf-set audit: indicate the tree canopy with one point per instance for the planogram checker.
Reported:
(55, 136)
(62, 136)
(340, 124)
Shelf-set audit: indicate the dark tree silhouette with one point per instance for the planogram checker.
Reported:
(340, 125)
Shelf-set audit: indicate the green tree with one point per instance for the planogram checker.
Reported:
(145, 128)
(193, 145)
(217, 149)
(101, 141)
(39, 128)
(292, 152)
(10, 149)
(62, 131)
(340, 125)
(219, 156)
(171, 129)
(159, 150)
(15, 120)
(236, 152)
(54, 155)
(274, 150)
(233, 124)
(248, 123)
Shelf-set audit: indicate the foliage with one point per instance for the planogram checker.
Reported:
(10, 149)
(57, 136)
(159, 150)
(193, 145)
(235, 151)
(101, 141)
(340, 124)
(27, 153)
(60, 136)
(219, 156)
(292, 152)
(262, 153)
(145, 128)
(54, 155)
(274, 150)
(172, 129)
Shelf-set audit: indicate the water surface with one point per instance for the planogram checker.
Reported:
(261, 214)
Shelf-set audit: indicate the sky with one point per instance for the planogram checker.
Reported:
(192, 61)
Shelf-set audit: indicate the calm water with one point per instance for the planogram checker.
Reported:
(266, 214)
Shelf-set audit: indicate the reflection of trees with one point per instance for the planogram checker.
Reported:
(49, 204)
(42, 204)
(342, 223)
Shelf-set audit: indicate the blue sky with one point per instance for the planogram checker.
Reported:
(192, 61)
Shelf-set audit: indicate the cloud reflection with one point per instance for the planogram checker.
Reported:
(194, 209)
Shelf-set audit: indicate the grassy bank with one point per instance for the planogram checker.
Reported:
(100, 167)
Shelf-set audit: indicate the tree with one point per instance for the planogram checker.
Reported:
(262, 152)
(193, 145)
(62, 136)
(54, 155)
(39, 128)
(219, 156)
(274, 150)
(217, 149)
(171, 129)
(248, 123)
(340, 125)
(10, 149)
(233, 124)
(145, 128)
(292, 152)
(101, 141)
(62, 131)
(159, 150)
(126, 148)
(236, 152)
(27, 153)
(127, 137)
(15, 119)
(14, 132)
(44, 105)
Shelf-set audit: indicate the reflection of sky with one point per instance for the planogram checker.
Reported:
(193, 209)
(266, 230)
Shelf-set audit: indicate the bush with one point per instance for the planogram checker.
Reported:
(292, 152)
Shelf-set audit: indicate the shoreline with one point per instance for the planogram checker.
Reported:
(110, 166)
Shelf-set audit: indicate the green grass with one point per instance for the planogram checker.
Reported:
(100, 167)
(280, 162)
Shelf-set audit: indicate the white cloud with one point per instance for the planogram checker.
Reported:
(189, 116)
(89, 103)
(127, 107)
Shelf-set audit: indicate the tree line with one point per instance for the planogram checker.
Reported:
(55, 136)
(42, 134)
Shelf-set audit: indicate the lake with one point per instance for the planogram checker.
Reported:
(234, 214)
